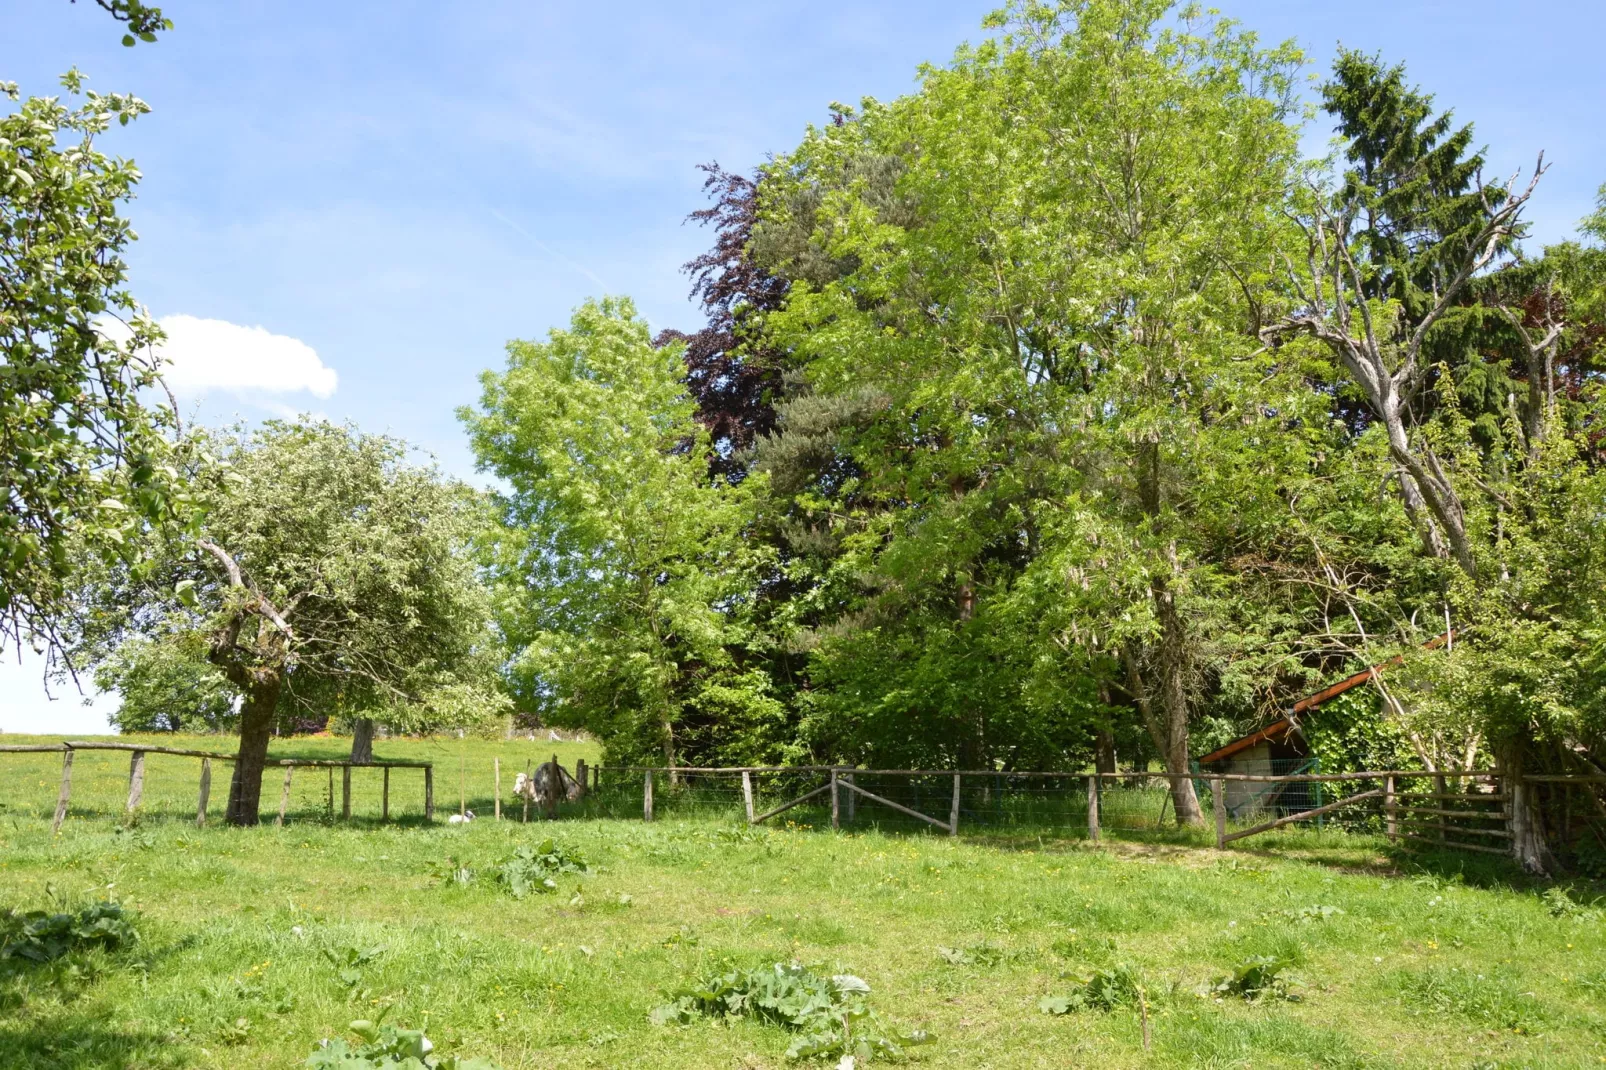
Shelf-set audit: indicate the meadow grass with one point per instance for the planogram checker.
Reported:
(258, 943)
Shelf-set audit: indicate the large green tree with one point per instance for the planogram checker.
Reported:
(1058, 303)
(325, 561)
(623, 571)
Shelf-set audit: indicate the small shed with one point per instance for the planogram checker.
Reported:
(1280, 749)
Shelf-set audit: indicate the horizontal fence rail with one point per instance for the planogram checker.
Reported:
(166, 777)
(1450, 810)
(1408, 807)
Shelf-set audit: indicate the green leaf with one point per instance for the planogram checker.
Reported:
(1056, 1004)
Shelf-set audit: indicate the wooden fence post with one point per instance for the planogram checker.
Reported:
(554, 790)
(646, 798)
(747, 794)
(206, 792)
(1390, 815)
(836, 801)
(66, 790)
(1093, 808)
(1218, 796)
(429, 792)
(284, 795)
(136, 780)
(1442, 788)
(330, 798)
(384, 797)
(345, 793)
(580, 775)
(496, 776)
(852, 798)
(953, 810)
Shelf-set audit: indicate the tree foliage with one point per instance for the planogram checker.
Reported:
(84, 457)
(1059, 410)
(325, 568)
(622, 562)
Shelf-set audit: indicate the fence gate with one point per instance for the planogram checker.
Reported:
(841, 785)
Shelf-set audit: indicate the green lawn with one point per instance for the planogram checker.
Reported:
(1415, 967)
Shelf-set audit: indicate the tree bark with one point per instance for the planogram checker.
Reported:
(256, 729)
(1174, 706)
(1172, 744)
(1104, 752)
(1526, 819)
(1171, 733)
(362, 741)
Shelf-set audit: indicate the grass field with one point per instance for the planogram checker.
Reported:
(256, 944)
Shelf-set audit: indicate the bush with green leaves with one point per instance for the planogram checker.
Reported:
(1257, 978)
(527, 869)
(831, 1014)
(1104, 989)
(534, 869)
(389, 1048)
(39, 936)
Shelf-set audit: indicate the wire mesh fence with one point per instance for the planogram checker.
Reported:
(124, 783)
(1463, 812)
(1444, 810)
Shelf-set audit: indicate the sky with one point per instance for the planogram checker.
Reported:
(349, 209)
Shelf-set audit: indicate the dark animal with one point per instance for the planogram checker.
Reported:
(551, 782)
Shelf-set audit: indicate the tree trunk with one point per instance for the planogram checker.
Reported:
(1526, 819)
(1170, 740)
(1170, 732)
(1104, 739)
(1174, 708)
(1104, 752)
(256, 729)
(362, 741)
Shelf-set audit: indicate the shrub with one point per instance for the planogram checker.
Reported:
(1258, 977)
(534, 868)
(1102, 990)
(821, 1009)
(39, 936)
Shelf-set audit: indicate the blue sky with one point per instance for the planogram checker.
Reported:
(391, 191)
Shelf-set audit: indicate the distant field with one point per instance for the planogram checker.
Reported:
(463, 769)
(248, 936)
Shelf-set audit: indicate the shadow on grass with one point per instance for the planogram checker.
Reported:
(69, 1041)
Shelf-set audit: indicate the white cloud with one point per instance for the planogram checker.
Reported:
(205, 354)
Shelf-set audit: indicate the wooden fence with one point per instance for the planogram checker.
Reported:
(136, 776)
(1458, 811)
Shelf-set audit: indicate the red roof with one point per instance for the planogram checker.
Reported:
(1280, 728)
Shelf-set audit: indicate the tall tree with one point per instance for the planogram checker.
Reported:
(621, 564)
(1058, 301)
(1414, 282)
(1389, 255)
(323, 556)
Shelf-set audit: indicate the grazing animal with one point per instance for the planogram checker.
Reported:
(461, 819)
(550, 782)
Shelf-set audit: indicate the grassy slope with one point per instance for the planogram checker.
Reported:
(1416, 971)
